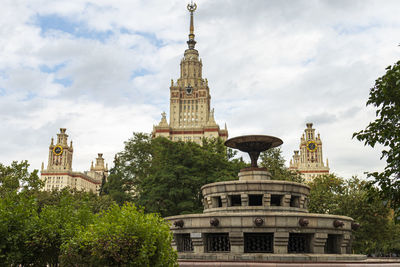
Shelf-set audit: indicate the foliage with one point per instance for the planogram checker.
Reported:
(57, 224)
(18, 213)
(325, 194)
(166, 176)
(360, 200)
(385, 130)
(274, 162)
(35, 225)
(16, 177)
(18, 217)
(122, 236)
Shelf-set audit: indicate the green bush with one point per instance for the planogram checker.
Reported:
(121, 236)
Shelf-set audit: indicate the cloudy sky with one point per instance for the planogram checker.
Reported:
(102, 69)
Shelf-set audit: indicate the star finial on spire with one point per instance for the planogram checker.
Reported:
(191, 43)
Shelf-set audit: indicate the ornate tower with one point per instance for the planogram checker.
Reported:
(59, 174)
(99, 170)
(191, 117)
(60, 154)
(309, 161)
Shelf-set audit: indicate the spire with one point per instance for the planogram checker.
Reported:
(191, 43)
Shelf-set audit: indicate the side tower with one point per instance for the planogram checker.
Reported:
(191, 117)
(60, 154)
(308, 159)
(59, 174)
(99, 171)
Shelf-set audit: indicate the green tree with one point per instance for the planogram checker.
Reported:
(325, 195)
(385, 130)
(17, 178)
(122, 236)
(274, 162)
(165, 176)
(56, 225)
(18, 212)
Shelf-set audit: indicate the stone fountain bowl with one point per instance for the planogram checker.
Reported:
(253, 143)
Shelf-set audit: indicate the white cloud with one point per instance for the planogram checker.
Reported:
(271, 66)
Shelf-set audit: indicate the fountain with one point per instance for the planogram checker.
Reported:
(259, 219)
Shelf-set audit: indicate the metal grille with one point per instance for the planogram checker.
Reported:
(299, 243)
(258, 242)
(183, 242)
(331, 245)
(218, 242)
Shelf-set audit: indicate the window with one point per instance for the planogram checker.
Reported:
(299, 243)
(255, 200)
(217, 242)
(332, 244)
(276, 200)
(216, 202)
(183, 242)
(235, 200)
(295, 201)
(258, 242)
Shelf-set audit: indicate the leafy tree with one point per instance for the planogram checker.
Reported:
(18, 212)
(325, 195)
(274, 162)
(18, 217)
(165, 176)
(56, 225)
(17, 178)
(360, 200)
(122, 236)
(385, 130)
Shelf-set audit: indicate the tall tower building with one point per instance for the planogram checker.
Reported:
(308, 159)
(59, 174)
(190, 115)
(60, 154)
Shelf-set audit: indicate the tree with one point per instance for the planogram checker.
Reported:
(166, 177)
(18, 212)
(274, 162)
(16, 178)
(56, 225)
(385, 130)
(360, 200)
(122, 236)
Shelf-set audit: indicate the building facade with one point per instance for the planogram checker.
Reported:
(308, 159)
(59, 173)
(190, 117)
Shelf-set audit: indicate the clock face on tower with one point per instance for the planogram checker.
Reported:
(311, 146)
(57, 150)
(189, 90)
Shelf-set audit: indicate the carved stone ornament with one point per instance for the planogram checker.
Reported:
(214, 222)
(303, 222)
(258, 221)
(179, 223)
(355, 226)
(338, 223)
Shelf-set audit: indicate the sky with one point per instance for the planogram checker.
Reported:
(102, 69)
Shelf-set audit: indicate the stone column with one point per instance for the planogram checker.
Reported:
(286, 200)
(224, 200)
(281, 240)
(173, 243)
(237, 242)
(245, 200)
(302, 202)
(267, 200)
(198, 242)
(344, 243)
(318, 243)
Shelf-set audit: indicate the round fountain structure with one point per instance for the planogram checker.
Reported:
(256, 219)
